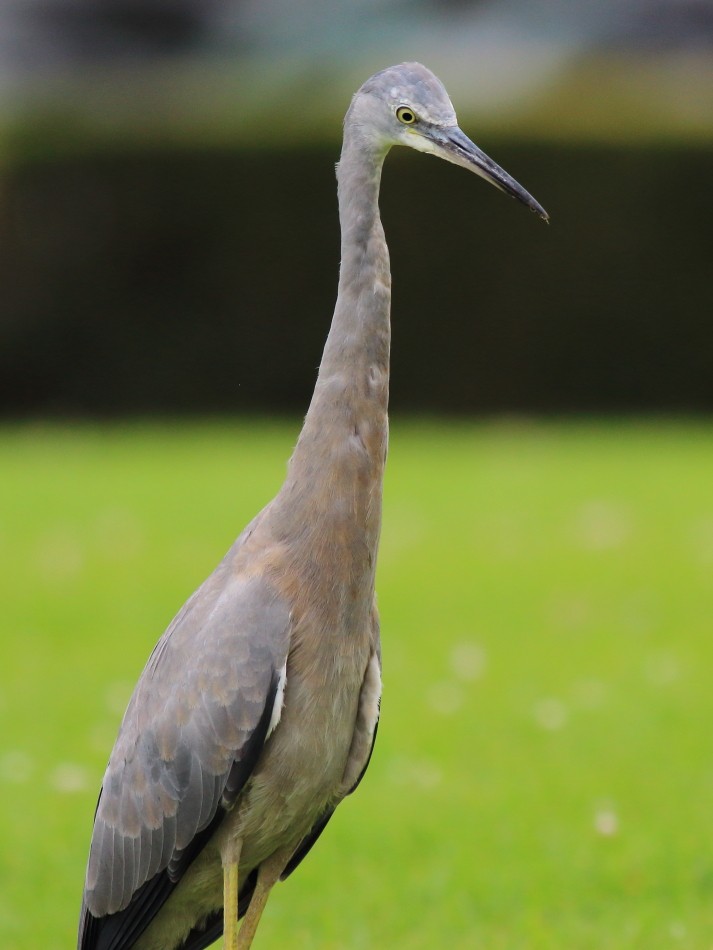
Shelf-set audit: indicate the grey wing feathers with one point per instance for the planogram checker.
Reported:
(195, 709)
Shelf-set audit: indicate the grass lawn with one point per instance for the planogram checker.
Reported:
(544, 771)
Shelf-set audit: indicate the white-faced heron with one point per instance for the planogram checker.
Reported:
(256, 713)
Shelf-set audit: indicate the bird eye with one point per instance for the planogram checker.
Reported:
(405, 115)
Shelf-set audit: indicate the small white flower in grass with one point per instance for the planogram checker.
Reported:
(606, 822)
(702, 540)
(16, 766)
(550, 714)
(119, 534)
(506, 536)
(602, 525)
(427, 774)
(445, 698)
(638, 613)
(101, 736)
(68, 778)
(468, 661)
(662, 669)
(571, 612)
(60, 556)
(416, 773)
(590, 694)
(405, 530)
(117, 696)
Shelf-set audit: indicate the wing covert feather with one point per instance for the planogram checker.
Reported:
(202, 695)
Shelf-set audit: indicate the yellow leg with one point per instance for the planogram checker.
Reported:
(269, 872)
(230, 896)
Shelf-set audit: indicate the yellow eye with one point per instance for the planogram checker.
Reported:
(406, 115)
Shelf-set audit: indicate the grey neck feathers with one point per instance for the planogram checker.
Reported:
(336, 471)
(359, 339)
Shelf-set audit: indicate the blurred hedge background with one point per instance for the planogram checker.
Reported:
(168, 228)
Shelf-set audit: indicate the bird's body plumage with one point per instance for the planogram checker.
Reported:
(257, 711)
(190, 723)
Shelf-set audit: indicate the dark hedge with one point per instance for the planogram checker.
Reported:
(204, 282)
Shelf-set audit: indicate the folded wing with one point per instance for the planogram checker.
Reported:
(190, 738)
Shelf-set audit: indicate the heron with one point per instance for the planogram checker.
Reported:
(257, 711)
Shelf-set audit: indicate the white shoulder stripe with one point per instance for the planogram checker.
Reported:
(371, 695)
(364, 727)
(279, 701)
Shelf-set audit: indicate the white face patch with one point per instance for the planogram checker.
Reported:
(279, 701)
(422, 144)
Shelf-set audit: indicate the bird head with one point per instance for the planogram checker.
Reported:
(408, 105)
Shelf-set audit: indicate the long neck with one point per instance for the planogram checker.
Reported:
(359, 338)
(335, 475)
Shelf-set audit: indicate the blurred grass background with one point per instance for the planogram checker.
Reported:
(543, 774)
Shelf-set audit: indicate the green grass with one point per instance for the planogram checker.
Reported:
(544, 771)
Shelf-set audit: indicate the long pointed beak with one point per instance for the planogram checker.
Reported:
(456, 147)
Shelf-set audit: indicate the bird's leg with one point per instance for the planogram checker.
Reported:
(268, 873)
(231, 859)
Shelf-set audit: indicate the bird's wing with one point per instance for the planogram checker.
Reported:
(190, 738)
